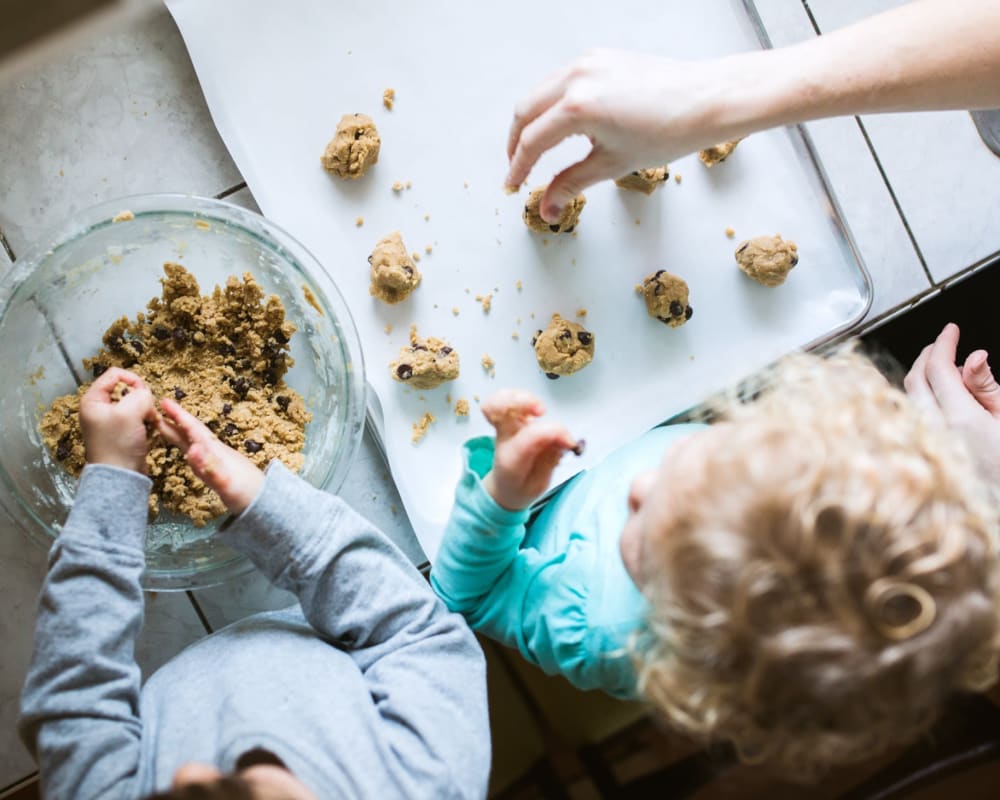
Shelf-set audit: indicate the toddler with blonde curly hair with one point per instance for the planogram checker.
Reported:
(809, 578)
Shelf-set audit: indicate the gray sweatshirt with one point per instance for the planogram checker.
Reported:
(368, 688)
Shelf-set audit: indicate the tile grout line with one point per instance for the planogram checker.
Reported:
(7, 248)
(230, 191)
(881, 169)
(201, 614)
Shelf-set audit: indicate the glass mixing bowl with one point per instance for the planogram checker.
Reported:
(57, 301)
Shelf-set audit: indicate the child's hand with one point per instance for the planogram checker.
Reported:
(526, 451)
(230, 474)
(114, 433)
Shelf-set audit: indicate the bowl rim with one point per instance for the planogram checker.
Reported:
(82, 222)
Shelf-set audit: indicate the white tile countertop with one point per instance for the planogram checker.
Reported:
(124, 115)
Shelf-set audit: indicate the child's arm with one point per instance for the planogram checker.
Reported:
(79, 708)
(516, 595)
(423, 667)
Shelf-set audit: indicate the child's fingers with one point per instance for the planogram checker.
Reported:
(509, 409)
(520, 452)
(100, 390)
(174, 435)
(192, 428)
(140, 402)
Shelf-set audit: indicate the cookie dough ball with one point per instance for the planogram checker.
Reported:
(563, 348)
(644, 180)
(393, 274)
(426, 363)
(666, 298)
(717, 154)
(567, 220)
(354, 147)
(767, 259)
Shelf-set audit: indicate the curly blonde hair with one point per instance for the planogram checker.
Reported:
(833, 579)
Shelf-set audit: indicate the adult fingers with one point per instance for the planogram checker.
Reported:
(543, 133)
(540, 100)
(573, 180)
(978, 379)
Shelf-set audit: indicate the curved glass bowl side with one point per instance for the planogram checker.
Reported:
(58, 299)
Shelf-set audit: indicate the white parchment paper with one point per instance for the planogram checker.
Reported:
(278, 76)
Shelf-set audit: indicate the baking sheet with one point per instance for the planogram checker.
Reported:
(278, 77)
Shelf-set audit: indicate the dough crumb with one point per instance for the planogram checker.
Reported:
(353, 149)
(388, 329)
(393, 276)
(638, 221)
(428, 249)
(518, 285)
(461, 407)
(644, 180)
(489, 365)
(389, 98)
(397, 186)
(420, 427)
(359, 221)
(515, 336)
(454, 310)
(730, 233)
(716, 154)
(465, 184)
(507, 189)
(311, 299)
(677, 178)
(415, 255)
(427, 217)
(123, 216)
(409, 184)
(581, 312)
(486, 300)
(475, 397)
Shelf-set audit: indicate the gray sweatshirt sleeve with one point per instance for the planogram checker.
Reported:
(80, 704)
(423, 667)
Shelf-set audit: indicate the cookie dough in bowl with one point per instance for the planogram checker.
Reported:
(60, 299)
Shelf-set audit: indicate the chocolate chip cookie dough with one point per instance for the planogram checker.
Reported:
(644, 180)
(666, 298)
(767, 259)
(223, 357)
(716, 154)
(425, 363)
(394, 275)
(354, 147)
(567, 220)
(563, 348)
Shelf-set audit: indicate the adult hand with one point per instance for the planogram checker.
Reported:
(967, 398)
(230, 474)
(526, 451)
(637, 110)
(114, 431)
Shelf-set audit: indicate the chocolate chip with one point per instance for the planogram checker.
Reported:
(115, 343)
(252, 447)
(585, 337)
(272, 376)
(124, 391)
(226, 408)
(408, 269)
(688, 312)
(63, 447)
(283, 402)
(369, 259)
(280, 336)
(137, 345)
(99, 369)
(444, 351)
(658, 273)
(241, 386)
(179, 334)
(570, 229)
(657, 288)
(554, 228)
(404, 372)
(213, 425)
(245, 363)
(742, 247)
(230, 429)
(527, 210)
(666, 174)
(357, 134)
(676, 309)
(635, 172)
(565, 334)
(179, 394)
(551, 376)
(795, 260)
(416, 347)
(579, 447)
(161, 333)
(225, 349)
(664, 320)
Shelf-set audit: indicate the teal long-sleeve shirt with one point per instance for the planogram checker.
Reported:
(555, 587)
